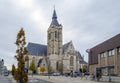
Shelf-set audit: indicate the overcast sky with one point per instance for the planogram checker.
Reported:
(86, 22)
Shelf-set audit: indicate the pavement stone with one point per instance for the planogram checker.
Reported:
(11, 79)
(63, 79)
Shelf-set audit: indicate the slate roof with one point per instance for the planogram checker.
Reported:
(80, 58)
(79, 55)
(65, 46)
(82, 62)
(37, 49)
(54, 19)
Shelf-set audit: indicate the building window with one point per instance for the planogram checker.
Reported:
(71, 61)
(57, 65)
(58, 35)
(49, 36)
(118, 50)
(102, 55)
(111, 52)
(55, 34)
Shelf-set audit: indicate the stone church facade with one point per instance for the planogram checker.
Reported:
(55, 53)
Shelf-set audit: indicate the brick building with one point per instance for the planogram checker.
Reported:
(106, 57)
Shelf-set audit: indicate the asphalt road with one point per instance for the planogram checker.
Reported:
(37, 81)
(4, 79)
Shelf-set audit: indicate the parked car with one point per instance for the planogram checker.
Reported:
(74, 74)
(78, 73)
(71, 74)
(67, 74)
(56, 73)
(87, 73)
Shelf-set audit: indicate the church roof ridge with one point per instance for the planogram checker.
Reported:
(36, 43)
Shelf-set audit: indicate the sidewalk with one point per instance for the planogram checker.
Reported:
(11, 79)
(115, 79)
(63, 79)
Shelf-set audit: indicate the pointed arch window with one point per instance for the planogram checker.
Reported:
(58, 35)
(57, 64)
(49, 36)
(71, 61)
(55, 34)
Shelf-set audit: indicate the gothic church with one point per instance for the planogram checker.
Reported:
(55, 53)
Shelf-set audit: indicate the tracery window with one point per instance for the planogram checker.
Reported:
(55, 34)
(71, 61)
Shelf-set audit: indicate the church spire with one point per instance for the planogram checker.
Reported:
(54, 19)
(54, 15)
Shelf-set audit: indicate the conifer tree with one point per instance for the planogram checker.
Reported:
(13, 69)
(21, 52)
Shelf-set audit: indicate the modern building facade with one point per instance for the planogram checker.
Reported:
(1, 66)
(106, 57)
(55, 53)
(6, 72)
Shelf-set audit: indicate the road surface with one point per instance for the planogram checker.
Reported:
(37, 81)
(4, 79)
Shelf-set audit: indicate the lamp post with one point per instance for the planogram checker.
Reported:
(82, 72)
(62, 65)
(89, 53)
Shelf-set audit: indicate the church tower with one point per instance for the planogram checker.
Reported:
(54, 41)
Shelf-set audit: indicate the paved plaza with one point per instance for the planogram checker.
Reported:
(63, 79)
(4, 79)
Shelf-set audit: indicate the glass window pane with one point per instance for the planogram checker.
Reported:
(118, 50)
(71, 61)
(109, 53)
(104, 54)
(113, 52)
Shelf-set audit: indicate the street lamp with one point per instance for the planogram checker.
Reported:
(82, 71)
(62, 65)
